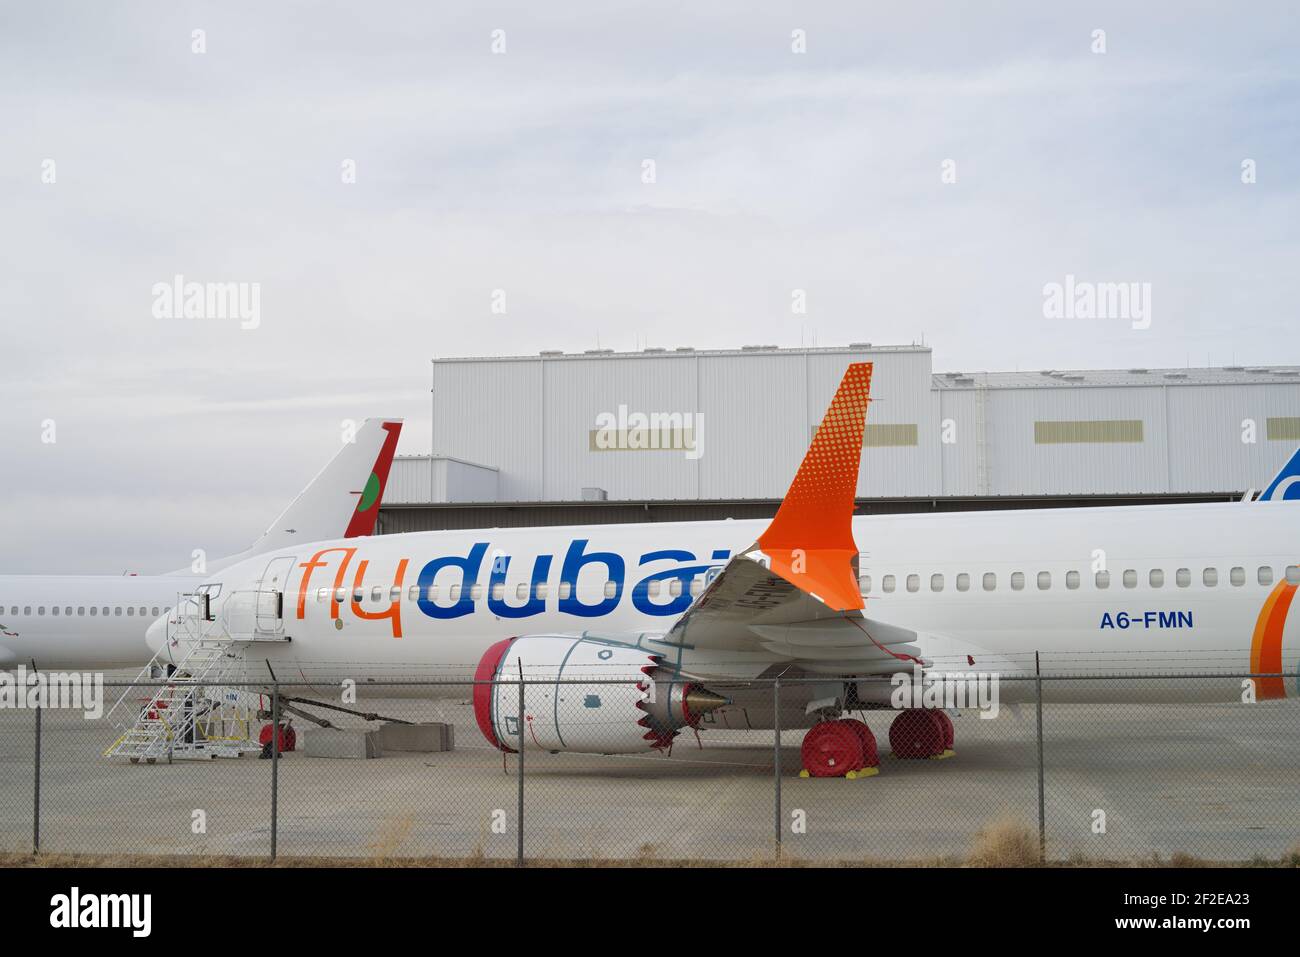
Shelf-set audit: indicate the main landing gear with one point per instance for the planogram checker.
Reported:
(846, 748)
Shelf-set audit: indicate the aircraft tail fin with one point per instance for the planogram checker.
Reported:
(810, 541)
(1286, 483)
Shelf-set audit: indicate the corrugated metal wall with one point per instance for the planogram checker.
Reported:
(531, 420)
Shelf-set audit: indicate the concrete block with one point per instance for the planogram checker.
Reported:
(427, 737)
(340, 743)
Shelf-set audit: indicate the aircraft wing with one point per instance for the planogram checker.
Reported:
(749, 608)
(795, 593)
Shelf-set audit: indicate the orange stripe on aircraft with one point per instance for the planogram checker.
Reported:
(810, 542)
(1266, 644)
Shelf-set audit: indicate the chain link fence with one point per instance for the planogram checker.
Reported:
(1155, 780)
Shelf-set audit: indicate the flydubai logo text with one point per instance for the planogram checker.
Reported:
(179, 299)
(627, 431)
(957, 690)
(1079, 299)
(69, 690)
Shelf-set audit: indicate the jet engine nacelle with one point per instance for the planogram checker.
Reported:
(583, 694)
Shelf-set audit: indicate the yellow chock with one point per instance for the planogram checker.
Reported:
(862, 773)
(803, 773)
(940, 757)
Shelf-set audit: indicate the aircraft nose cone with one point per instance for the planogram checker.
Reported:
(156, 635)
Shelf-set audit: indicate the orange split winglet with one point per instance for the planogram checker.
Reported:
(810, 542)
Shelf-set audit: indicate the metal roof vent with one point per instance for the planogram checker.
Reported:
(1234, 368)
(859, 345)
(1175, 375)
(598, 352)
(964, 380)
(685, 349)
(1074, 378)
(654, 349)
(551, 352)
(1139, 371)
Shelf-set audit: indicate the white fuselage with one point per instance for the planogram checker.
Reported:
(1186, 588)
(82, 621)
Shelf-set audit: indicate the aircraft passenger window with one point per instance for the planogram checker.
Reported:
(1044, 581)
(963, 582)
(377, 593)
(521, 591)
(322, 594)
(1210, 577)
(1156, 578)
(1183, 577)
(611, 589)
(27, 609)
(1265, 575)
(864, 584)
(413, 593)
(94, 610)
(40, 610)
(1017, 581)
(81, 611)
(566, 589)
(1071, 579)
(990, 581)
(358, 594)
(675, 587)
(1237, 575)
(498, 591)
(887, 583)
(652, 589)
(697, 587)
(936, 582)
(54, 610)
(1130, 578)
(1102, 579)
(1293, 574)
(540, 590)
(130, 611)
(913, 582)
(340, 594)
(395, 593)
(117, 612)
(476, 591)
(432, 593)
(155, 612)
(106, 611)
(144, 612)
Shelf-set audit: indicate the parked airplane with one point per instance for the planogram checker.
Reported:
(99, 621)
(684, 613)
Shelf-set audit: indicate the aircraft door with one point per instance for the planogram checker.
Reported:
(270, 594)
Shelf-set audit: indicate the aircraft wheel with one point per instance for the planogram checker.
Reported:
(831, 749)
(916, 733)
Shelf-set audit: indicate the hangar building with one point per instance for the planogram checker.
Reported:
(684, 434)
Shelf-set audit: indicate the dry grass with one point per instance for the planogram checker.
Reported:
(1005, 842)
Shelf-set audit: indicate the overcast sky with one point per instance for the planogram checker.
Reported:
(523, 171)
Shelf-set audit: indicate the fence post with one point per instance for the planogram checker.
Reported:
(1042, 805)
(776, 760)
(36, 794)
(519, 859)
(275, 768)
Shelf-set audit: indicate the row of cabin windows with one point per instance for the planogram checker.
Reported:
(521, 592)
(68, 611)
(1237, 575)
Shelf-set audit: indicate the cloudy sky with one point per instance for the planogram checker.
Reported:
(523, 170)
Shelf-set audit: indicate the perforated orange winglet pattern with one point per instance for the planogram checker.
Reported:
(810, 542)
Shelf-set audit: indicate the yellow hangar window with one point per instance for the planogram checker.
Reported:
(1283, 428)
(1087, 431)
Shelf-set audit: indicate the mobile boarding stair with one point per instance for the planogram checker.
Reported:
(190, 701)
